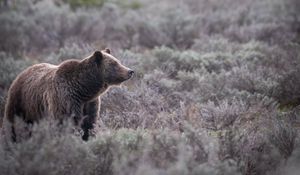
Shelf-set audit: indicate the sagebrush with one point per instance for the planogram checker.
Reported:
(216, 89)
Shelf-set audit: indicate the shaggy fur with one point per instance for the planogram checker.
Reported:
(71, 89)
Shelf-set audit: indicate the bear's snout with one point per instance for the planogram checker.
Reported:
(130, 73)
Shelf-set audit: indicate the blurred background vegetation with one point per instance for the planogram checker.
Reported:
(216, 89)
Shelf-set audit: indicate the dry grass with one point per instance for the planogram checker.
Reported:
(216, 90)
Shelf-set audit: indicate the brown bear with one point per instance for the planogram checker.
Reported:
(70, 89)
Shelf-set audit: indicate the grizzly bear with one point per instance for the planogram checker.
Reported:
(70, 89)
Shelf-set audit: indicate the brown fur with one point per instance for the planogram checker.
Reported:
(71, 89)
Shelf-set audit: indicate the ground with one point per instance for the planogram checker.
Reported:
(215, 91)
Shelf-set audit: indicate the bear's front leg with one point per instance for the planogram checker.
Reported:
(91, 112)
(76, 114)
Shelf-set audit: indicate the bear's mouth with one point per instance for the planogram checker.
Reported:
(117, 79)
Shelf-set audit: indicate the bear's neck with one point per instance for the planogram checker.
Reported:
(83, 84)
(90, 86)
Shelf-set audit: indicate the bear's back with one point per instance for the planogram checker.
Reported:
(35, 77)
(37, 73)
(28, 91)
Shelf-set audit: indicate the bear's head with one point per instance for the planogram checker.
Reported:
(109, 68)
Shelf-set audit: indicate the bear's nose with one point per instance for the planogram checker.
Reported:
(130, 73)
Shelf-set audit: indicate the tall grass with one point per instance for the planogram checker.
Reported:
(216, 89)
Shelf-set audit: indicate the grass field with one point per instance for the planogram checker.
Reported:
(216, 89)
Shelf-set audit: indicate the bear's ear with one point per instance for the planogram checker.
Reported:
(98, 56)
(107, 50)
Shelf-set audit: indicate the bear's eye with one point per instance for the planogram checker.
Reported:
(114, 63)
